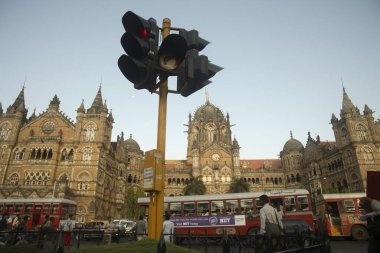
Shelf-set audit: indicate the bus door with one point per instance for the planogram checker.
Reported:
(334, 222)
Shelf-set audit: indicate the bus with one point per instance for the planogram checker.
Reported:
(340, 214)
(37, 208)
(233, 213)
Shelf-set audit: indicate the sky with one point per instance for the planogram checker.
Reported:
(285, 65)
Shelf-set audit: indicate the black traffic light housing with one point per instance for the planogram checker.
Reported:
(196, 70)
(140, 42)
(178, 55)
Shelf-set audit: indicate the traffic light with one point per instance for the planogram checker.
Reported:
(140, 42)
(171, 54)
(196, 70)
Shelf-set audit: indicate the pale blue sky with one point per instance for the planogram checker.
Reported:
(283, 64)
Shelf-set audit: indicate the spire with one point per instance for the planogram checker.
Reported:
(291, 134)
(367, 111)
(81, 107)
(235, 144)
(97, 104)
(1, 108)
(54, 103)
(19, 103)
(33, 116)
(347, 105)
(110, 117)
(333, 118)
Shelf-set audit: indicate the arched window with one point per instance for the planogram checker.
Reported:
(361, 131)
(298, 178)
(84, 181)
(13, 179)
(344, 136)
(368, 155)
(355, 182)
(89, 131)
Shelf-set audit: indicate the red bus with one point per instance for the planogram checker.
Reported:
(235, 213)
(341, 215)
(36, 209)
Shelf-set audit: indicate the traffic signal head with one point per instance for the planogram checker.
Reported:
(140, 42)
(195, 73)
(193, 40)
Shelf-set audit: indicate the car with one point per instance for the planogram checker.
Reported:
(125, 227)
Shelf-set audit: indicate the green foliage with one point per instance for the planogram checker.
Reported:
(132, 209)
(239, 185)
(30, 248)
(195, 187)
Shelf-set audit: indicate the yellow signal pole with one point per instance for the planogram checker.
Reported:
(156, 205)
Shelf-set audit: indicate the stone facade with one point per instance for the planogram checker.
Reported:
(49, 155)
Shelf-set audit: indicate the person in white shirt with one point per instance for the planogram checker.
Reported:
(168, 229)
(269, 218)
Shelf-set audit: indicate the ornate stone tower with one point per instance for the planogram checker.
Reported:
(358, 139)
(211, 151)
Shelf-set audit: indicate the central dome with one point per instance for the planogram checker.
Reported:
(208, 111)
(132, 145)
(293, 145)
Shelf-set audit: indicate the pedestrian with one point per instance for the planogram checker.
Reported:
(168, 229)
(4, 222)
(67, 227)
(108, 229)
(140, 228)
(269, 220)
(372, 209)
(16, 221)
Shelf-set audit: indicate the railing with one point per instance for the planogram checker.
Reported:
(47, 241)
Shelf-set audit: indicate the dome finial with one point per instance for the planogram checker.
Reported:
(291, 134)
(207, 97)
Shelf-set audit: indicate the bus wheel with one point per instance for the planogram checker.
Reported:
(359, 233)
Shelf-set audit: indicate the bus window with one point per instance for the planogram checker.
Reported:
(64, 210)
(9, 208)
(175, 209)
(189, 208)
(303, 203)
(290, 204)
(19, 208)
(217, 207)
(349, 206)
(28, 208)
(202, 208)
(232, 207)
(55, 209)
(259, 205)
(246, 206)
(46, 208)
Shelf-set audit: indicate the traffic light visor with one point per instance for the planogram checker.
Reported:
(133, 70)
(136, 25)
(172, 52)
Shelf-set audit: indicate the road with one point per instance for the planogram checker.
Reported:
(348, 246)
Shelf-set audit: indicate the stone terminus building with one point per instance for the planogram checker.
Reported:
(50, 155)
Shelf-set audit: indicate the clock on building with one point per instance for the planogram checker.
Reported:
(215, 157)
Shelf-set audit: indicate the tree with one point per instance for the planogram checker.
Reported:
(132, 209)
(238, 185)
(195, 187)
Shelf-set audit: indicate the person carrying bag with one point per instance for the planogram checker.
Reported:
(269, 222)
